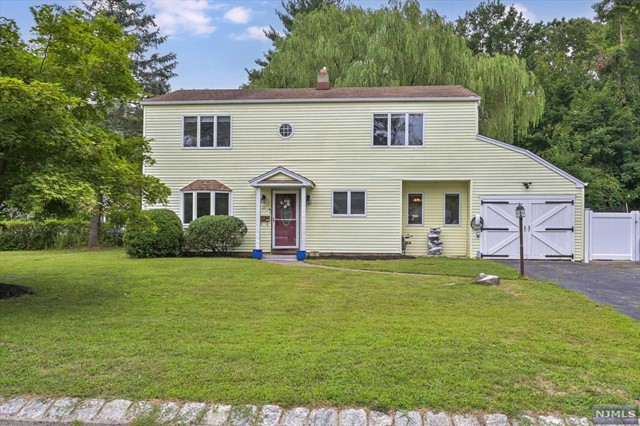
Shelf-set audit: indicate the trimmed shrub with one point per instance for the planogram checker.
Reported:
(168, 238)
(154, 233)
(42, 235)
(216, 234)
(139, 236)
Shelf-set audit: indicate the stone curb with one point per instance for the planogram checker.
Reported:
(30, 411)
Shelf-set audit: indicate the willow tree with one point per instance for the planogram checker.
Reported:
(400, 45)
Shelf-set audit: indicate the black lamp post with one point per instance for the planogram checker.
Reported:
(520, 214)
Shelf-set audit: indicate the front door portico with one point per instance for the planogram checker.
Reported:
(288, 210)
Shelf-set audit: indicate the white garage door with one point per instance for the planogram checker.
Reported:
(548, 227)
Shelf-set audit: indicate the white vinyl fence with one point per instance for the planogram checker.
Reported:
(612, 236)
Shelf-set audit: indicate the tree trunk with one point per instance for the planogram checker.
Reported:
(94, 231)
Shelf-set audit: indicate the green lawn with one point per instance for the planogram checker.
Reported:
(244, 331)
(426, 265)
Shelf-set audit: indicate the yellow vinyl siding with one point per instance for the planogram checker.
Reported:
(332, 146)
(454, 237)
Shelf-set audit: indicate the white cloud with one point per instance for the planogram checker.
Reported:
(526, 13)
(251, 33)
(238, 15)
(186, 16)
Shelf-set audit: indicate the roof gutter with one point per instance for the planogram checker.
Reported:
(320, 100)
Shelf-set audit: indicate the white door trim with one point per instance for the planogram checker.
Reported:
(296, 193)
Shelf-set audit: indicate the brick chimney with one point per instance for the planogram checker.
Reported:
(323, 79)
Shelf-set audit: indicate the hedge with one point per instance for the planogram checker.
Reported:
(48, 234)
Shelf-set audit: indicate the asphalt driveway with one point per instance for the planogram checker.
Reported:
(614, 283)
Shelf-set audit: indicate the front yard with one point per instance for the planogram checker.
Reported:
(244, 331)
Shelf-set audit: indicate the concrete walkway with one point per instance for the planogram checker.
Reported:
(66, 411)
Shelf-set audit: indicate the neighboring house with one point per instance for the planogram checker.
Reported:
(352, 170)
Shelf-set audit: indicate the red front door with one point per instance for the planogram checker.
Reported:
(285, 220)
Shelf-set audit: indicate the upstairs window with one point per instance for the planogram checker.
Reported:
(201, 203)
(398, 129)
(207, 131)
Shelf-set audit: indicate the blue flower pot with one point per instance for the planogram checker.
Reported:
(257, 254)
(301, 255)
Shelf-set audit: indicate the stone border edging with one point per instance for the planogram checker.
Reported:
(21, 411)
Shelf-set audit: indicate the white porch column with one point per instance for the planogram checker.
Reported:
(303, 219)
(258, 208)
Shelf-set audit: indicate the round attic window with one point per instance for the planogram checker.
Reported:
(285, 130)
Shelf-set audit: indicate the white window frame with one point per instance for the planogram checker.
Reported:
(409, 194)
(406, 133)
(194, 207)
(444, 209)
(349, 214)
(293, 130)
(215, 131)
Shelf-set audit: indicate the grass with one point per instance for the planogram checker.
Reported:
(426, 265)
(244, 331)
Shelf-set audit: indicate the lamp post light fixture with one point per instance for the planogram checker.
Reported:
(520, 214)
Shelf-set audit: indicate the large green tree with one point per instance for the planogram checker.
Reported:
(58, 157)
(151, 69)
(291, 9)
(400, 45)
(494, 28)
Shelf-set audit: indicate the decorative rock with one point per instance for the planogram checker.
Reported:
(551, 421)
(11, 407)
(60, 410)
(168, 412)
(87, 410)
(190, 412)
(378, 418)
(35, 409)
(113, 412)
(216, 415)
(353, 418)
(270, 415)
(139, 409)
(296, 417)
(496, 420)
(485, 279)
(578, 421)
(324, 417)
(408, 418)
(437, 419)
(465, 420)
(243, 415)
(524, 421)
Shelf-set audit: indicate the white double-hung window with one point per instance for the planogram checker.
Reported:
(403, 129)
(206, 131)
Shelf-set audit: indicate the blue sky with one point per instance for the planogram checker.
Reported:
(215, 40)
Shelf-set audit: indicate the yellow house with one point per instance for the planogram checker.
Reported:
(355, 170)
